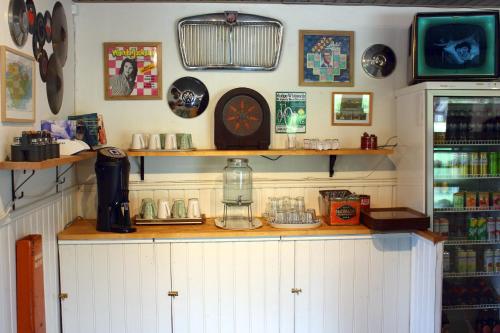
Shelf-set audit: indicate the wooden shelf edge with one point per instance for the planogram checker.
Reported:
(46, 164)
(269, 152)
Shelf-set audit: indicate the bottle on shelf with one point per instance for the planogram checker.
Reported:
(489, 261)
(471, 261)
(446, 262)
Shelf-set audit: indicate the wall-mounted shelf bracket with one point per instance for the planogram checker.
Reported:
(59, 176)
(333, 159)
(15, 189)
(141, 166)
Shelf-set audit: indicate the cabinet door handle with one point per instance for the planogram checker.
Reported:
(173, 293)
(63, 296)
(296, 290)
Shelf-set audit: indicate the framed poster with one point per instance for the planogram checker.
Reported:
(326, 58)
(17, 85)
(290, 112)
(132, 70)
(352, 108)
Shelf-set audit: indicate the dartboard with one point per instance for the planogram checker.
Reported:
(242, 115)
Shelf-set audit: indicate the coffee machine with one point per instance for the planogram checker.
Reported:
(112, 170)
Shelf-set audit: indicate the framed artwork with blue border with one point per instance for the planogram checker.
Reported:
(326, 58)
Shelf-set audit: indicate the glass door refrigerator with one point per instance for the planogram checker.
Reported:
(447, 162)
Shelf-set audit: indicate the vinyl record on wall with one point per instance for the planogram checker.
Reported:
(59, 33)
(378, 61)
(18, 22)
(43, 65)
(31, 13)
(54, 84)
(37, 48)
(48, 26)
(40, 29)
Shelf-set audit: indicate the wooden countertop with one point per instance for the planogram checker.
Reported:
(83, 229)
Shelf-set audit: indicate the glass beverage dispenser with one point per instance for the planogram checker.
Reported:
(237, 196)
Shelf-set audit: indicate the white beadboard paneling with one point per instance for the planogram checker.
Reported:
(287, 282)
(352, 285)
(111, 288)
(225, 286)
(45, 217)
(426, 272)
(163, 286)
(381, 192)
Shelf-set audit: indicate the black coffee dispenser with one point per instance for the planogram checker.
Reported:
(112, 170)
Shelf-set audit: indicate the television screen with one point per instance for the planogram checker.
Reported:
(460, 45)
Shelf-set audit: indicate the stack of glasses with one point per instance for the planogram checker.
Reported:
(286, 210)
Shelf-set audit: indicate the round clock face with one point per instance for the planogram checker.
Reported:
(242, 115)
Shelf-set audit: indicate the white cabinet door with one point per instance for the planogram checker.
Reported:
(227, 286)
(349, 285)
(115, 288)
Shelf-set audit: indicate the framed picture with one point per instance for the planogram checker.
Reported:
(17, 86)
(290, 112)
(352, 108)
(132, 70)
(326, 58)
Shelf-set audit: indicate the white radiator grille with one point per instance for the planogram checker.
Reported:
(252, 43)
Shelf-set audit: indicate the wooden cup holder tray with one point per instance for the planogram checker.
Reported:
(186, 220)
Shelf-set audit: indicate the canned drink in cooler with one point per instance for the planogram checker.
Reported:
(474, 164)
(497, 260)
(461, 261)
(464, 165)
(492, 163)
(470, 199)
(491, 225)
(489, 259)
(483, 199)
(498, 229)
(472, 228)
(483, 164)
(482, 229)
(458, 200)
(471, 261)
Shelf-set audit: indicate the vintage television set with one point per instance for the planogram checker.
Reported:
(453, 46)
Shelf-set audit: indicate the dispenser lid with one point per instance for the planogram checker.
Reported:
(111, 152)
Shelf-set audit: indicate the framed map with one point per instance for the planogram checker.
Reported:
(326, 58)
(17, 86)
(132, 70)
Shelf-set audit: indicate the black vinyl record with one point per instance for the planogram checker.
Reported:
(31, 12)
(378, 61)
(54, 84)
(187, 97)
(18, 22)
(37, 48)
(48, 26)
(40, 29)
(43, 65)
(59, 33)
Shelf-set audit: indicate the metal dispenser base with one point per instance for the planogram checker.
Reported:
(238, 222)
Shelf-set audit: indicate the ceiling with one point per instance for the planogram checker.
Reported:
(407, 3)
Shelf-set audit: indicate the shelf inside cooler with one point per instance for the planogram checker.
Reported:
(466, 209)
(457, 242)
(471, 307)
(470, 275)
(454, 143)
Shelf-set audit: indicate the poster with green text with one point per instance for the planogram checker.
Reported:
(290, 112)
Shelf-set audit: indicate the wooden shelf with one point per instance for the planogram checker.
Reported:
(267, 152)
(46, 164)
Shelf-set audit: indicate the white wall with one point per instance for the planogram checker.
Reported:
(43, 180)
(157, 22)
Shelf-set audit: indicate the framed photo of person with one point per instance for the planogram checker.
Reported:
(17, 86)
(326, 58)
(132, 70)
(352, 108)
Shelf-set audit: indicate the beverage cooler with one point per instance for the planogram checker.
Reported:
(447, 162)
